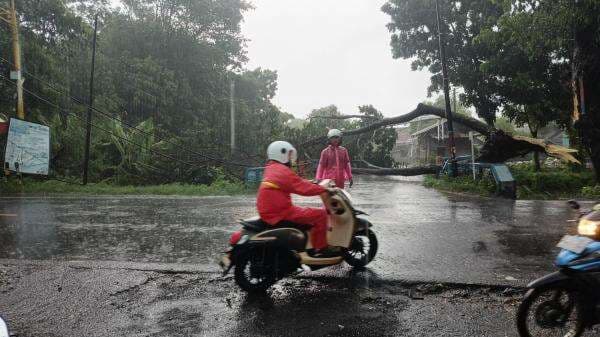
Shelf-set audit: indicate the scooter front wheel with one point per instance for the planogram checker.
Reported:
(554, 310)
(362, 250)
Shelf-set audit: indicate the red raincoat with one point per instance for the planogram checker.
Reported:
(274, 201)
(335, 164)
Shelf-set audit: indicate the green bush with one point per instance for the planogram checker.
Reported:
(483, 186)
(551, 183)
(220, 186)
(592, 192)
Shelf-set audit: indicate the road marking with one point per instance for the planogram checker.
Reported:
(8, 215)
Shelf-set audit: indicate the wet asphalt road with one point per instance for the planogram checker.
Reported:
(111, 302)
(424, 235)
(144, 266)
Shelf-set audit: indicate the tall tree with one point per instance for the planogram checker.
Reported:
(527, 74)
(414, 36)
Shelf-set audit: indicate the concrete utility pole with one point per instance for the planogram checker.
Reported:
(10, 16)
(88, 133)
(451, 143)
(232, 113)
(454, 100)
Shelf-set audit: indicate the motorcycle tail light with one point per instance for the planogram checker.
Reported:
(235, 238)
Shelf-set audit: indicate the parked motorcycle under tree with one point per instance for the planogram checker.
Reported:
(575, 244)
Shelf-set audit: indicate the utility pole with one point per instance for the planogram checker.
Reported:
(454, 100)
(10, 16)
(88, 133)
(451, 143)
(232, 113)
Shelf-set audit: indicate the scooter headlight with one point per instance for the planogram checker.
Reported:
(588, 227)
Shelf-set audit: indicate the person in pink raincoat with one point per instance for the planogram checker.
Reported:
(335, 161)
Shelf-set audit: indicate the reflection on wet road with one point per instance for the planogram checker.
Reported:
(423, 234)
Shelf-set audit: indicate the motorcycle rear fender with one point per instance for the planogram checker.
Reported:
(287, 238)
(557, 276)
(362, 225)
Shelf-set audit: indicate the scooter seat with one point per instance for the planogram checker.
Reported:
(258, 225)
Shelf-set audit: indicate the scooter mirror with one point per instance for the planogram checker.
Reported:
(3, 328)
(573, 204)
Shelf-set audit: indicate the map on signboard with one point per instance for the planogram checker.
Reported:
(28, 147)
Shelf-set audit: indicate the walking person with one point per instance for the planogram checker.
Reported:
(335, 161)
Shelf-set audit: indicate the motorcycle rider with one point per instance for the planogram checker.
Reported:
(335, 161)
(274, 202)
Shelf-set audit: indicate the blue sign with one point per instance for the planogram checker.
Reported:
(253, 175)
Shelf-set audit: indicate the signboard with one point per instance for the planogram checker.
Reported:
(253, 175)
(27, 147)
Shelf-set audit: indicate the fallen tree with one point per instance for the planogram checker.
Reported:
(498, 148)
(421, 110)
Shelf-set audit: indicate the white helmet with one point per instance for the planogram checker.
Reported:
(334, 133)
(280, 151)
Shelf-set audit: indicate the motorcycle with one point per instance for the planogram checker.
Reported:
(262, 254)
(564, 303)
(3, 328)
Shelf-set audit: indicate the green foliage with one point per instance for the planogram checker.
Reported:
(462, 184)
(528, 79)
(557, 183)
(218, 187)
(164, 67)
(592, 192)
(414, 36)
(374, 147)
(562, 183)
(505, 125)
(440, 102)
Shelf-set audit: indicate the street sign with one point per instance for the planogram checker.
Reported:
(253, 175)
(27, 147)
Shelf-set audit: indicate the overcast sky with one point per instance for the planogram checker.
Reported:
(331, 52)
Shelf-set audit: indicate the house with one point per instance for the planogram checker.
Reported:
(425, 141)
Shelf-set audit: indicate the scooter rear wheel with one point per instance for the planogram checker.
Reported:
(362, 250)
(253, 275)
(555, 310)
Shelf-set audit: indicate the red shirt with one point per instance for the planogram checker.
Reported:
(274, 200)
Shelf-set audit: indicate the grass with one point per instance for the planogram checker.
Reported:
(463, 184)
(591, 192)
(219, 187)
(550, 183)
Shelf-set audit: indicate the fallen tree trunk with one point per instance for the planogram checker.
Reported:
(409, 171)
(499, 146)
(421, 110)
(344, 117)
